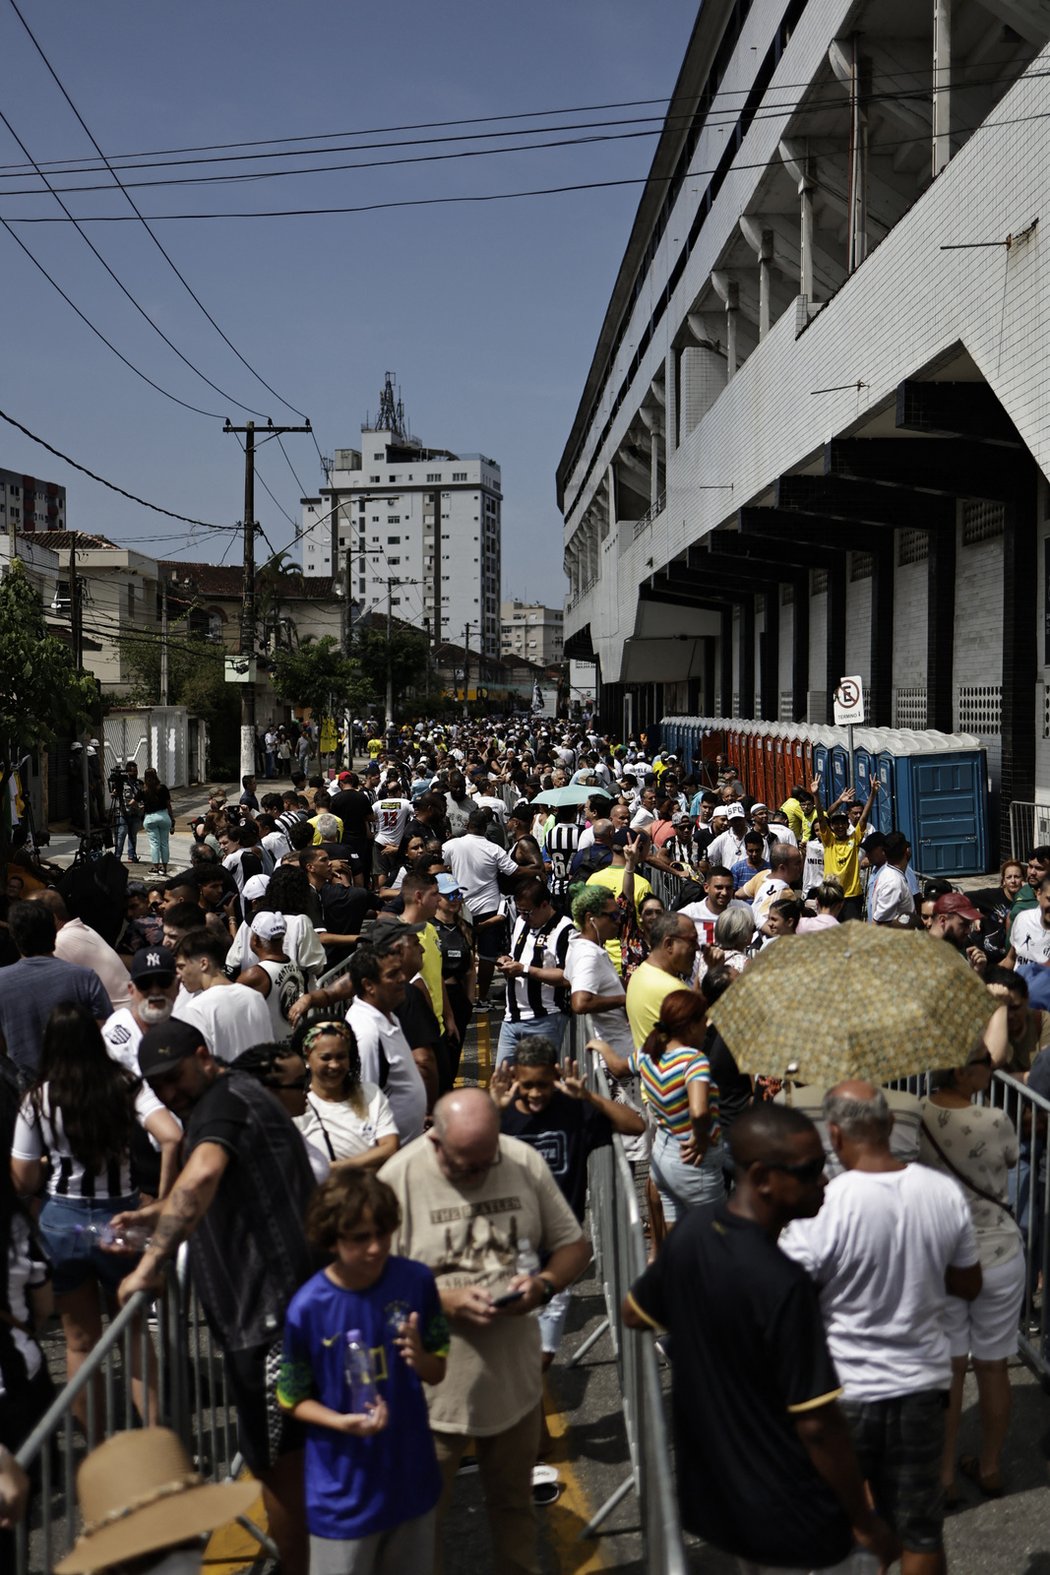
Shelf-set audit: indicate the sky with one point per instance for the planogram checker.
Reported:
(487, 313)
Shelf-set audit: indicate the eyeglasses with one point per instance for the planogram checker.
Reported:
(463, 1172)
(808, 1170)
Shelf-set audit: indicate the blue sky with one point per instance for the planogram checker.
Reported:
(487, 313)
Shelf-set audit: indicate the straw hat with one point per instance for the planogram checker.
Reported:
(138, 1493)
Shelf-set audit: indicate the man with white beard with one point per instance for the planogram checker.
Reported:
(151, 995)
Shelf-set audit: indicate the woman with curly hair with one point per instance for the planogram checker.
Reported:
(75, 1127)
(349, 1120)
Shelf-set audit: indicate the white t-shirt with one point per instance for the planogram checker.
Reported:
(477, 863)
(589, 967)
(705, 918)
(405, 1089)
(348, 1133)
(231, 1017)
(1029, 937)
(642, 819)
(765, 896)
(728, 847)
(392, 816)
(300, 944)
(122, 1035)
(878, 1251)
(892, 898)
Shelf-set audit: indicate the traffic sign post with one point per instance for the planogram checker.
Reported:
(849, 711)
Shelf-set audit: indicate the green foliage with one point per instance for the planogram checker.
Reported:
(409, 656)
(41, 693)
(318, 675)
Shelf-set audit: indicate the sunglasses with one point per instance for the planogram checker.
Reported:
(809, 1170)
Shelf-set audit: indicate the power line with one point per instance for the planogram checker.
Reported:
(89, 165)
(144, 502)
(119, 283)
(197, 410)
(501, 196)
(168, 259)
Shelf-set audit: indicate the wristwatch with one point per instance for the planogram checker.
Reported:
(549, 1290)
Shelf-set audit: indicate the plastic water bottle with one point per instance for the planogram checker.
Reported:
(131, 1238)
(528, 1257)
(360, 1375)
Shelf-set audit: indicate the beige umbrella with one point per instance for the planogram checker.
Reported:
(856, 1001)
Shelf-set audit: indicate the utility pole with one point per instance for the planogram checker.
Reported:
(76, 638)
(391, 582)
(247, 635)
(466, 668)
(163, 642)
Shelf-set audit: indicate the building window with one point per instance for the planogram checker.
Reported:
(375, 479)
(393, 519)
(131, 601)
(433, 475)
(459, 475)
(393, 541)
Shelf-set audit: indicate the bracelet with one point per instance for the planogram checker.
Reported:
(549, 1289)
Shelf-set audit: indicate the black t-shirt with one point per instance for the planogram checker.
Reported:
(345, 907)
(350, 855)
(456, 955)
(749, 1354)
(565, 1134)
(353, 809)
(734, 1089)
(249, 1255)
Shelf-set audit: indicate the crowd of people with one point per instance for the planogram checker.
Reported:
(266, 1061)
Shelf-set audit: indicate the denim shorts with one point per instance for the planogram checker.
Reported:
(75, 1256)
(683, 1187)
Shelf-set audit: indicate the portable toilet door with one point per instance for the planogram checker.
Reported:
(769, 766)
(884, 803)
(839, 763)
(943, 808)
(863, 777)
(808, 764)
(822, 769)
(781, 745)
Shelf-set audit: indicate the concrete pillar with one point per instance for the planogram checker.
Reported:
(761, 242)
(655, 444)
(942, 79)
(703, 377)
(806, 187)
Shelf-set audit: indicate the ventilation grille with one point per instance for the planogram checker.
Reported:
(980, 708)
(819, 582)
(909, 707)
(981, 520)
(860, 565)
(913, 546)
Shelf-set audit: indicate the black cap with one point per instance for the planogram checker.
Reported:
(153, 962)
(165, 1045)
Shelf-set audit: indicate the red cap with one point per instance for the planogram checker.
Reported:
(957, 902)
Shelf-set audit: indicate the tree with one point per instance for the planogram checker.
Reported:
(279, 577)
(41, 692)
(320, 677)
(409, 657)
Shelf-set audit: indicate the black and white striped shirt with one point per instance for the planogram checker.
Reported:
(561, 843)
(546, 947)
(36, 1137)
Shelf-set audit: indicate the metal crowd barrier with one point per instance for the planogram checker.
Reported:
(1030, 1197)
(620, 1258)
(192, 1400)
(1029, 827)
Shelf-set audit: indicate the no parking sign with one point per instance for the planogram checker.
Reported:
(849, 702)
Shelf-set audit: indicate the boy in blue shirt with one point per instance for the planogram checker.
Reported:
(372, 1480)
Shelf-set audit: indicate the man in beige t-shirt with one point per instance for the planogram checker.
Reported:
(474, 1206)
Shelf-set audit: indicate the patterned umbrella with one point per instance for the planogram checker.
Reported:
(856, 1001)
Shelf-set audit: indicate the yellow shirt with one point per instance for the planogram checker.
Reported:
(799, 820)
(612, 878)
(317, 835)
(646, 989)
(842, 858)
(431, 971)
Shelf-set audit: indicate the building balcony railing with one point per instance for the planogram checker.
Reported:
(650, 515)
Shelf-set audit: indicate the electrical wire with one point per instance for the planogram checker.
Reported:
(90, 165)
(113, 487)
(121, 286)
(53, 282)
(145, 223)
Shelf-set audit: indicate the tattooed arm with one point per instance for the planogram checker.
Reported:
(183, 1210)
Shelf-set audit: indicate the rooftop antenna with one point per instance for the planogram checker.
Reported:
(391, 417)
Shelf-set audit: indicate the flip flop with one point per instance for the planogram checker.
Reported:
(991, 1487)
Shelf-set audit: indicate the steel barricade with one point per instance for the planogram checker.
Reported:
(192, 1401)
(665, 883)
(618, 1241)
(1030, 1197)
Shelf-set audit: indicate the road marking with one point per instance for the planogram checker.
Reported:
(232, 1550)
(565, 1519)
(484, 1051)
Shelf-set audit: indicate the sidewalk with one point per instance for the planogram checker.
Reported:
(186, 802)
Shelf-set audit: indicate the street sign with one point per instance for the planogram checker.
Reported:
(849, 702)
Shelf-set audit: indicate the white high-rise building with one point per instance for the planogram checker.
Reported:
(414, 528)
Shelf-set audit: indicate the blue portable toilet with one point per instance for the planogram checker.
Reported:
(863, 777)
(884, 803)
(840, 774)
(942, 808)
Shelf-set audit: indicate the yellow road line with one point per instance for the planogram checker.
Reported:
(565, 1519)
(484, 1051)
(231, 1549)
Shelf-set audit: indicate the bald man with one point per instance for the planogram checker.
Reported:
(892, 1243)
(482, 1211)
(76, 942)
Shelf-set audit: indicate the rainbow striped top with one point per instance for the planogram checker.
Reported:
(665, 1086)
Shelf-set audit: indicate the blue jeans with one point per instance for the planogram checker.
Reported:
(511, 1034)
(683, 1187)
(76, 1256)
(158, 830)
(130, 829)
